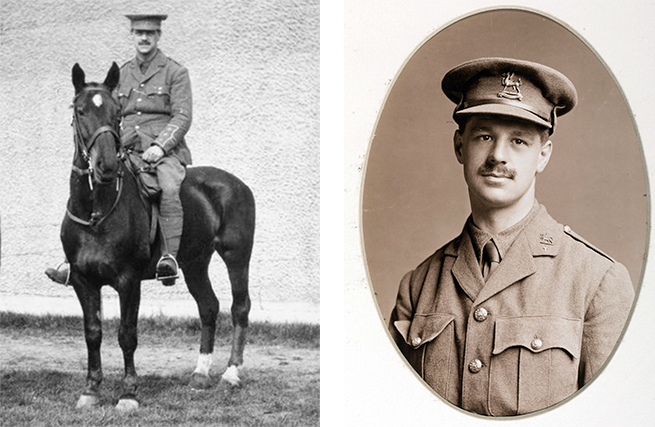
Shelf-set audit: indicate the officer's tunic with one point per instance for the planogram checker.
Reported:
(156, 106)
(540, 327)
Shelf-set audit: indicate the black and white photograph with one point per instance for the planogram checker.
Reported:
(160, 213)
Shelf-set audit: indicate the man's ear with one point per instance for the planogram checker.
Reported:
(457, 143)
(544, 155)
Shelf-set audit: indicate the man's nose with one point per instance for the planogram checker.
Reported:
(498, 151)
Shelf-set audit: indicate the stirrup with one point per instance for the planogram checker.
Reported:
(170, 278)
(55, 274)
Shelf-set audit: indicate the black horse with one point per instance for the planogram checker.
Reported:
(107, 240)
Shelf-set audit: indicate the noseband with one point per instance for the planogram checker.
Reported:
(84, 147)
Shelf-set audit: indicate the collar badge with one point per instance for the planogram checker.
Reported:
(546, 239)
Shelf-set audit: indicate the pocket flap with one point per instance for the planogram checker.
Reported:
(423, 328)
(158, 90)
(538, 333)
(125, 93)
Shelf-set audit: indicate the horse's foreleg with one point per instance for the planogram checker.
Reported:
(90, 300)
(200, 288)
(127, 338)
(240, 310)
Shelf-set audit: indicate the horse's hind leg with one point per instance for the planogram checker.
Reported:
(240, 310)
(200, 287)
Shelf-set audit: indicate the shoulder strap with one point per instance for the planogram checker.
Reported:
(580, 239)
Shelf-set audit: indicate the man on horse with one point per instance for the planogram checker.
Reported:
(155, 96)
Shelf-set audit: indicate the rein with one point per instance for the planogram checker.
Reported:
(84, 148)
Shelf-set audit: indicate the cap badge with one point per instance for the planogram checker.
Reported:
(511, 87)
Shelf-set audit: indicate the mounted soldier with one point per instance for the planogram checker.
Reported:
(129, 126)
(154, 92)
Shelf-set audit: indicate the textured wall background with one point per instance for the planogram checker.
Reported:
(254, 69)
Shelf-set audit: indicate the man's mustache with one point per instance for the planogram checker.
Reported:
(498, 170)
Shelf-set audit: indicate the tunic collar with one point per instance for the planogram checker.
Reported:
(504, 239)
(158, 61)
(537, 235)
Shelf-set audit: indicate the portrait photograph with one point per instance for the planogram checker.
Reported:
(443, 315)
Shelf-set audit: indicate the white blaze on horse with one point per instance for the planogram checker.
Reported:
(107, 240)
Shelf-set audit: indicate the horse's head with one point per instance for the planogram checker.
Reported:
(96, 116)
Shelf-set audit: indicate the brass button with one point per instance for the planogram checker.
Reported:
(138, 113)
(416, 341)
(475, 366)
(536, 344)
(139, 100)
(480, 314)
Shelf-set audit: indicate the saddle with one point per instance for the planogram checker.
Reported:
(149, 189)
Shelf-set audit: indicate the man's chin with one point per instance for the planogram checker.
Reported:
(495, 198)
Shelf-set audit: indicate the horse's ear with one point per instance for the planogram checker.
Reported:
(112, 77)
(78, 78)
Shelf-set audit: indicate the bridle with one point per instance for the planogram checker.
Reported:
(84, 148)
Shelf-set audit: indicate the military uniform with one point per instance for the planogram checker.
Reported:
(156, 106)
(156, 102)
(550, 308)
(541, 326)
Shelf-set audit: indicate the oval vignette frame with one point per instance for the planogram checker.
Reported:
(414, 199)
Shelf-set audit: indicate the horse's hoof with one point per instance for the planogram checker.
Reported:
(231, 376)
(87, 401)
(199, 381)
(127, 406)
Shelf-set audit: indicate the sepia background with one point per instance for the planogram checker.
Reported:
(254, 70)
(414, 196)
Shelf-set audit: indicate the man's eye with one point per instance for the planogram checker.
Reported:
(519, 142)
(485, 137)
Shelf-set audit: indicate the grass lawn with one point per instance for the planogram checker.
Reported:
(43, 371)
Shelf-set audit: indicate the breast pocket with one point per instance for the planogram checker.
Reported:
(159, 99)
(534, 363)
(431, 339)
(123, 96)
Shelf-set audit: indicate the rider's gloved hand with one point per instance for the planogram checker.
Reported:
(153, 154)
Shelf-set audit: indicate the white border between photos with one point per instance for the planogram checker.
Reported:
(372, 385)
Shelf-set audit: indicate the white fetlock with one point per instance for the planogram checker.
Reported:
(231, 375)
(204, 364)
(87, 401)
(126, 406)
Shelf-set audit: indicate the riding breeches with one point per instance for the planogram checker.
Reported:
(170, 174)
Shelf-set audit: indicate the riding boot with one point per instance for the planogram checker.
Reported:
(170, 174)
(171, 233)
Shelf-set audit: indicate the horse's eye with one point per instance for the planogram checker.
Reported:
(80, 112)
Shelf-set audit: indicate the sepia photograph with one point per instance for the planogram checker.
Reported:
(160, 213)
(503, 211)
(525, 280)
